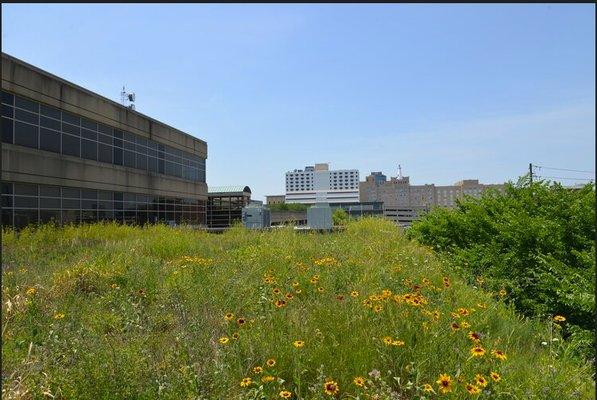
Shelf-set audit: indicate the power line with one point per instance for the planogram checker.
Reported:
(561, 177)
(564, 169)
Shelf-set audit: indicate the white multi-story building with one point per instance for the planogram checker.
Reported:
(320, 184)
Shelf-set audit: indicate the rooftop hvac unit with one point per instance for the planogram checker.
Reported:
(319, 216)
(256, 216)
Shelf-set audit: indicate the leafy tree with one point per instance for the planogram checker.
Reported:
(536, 241)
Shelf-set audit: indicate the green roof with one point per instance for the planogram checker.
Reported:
(228, 189)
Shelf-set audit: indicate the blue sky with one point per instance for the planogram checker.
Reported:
(449, 92)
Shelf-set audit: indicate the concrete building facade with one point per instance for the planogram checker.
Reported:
(403, 202)
(275, 199)
(320, 184)
(70, 155)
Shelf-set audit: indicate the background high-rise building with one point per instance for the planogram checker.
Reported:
(319, 183)
(403, 202)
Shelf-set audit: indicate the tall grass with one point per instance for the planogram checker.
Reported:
(107, 312)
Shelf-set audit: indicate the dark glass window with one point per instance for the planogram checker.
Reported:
(7, 130)
(106, 139)
(7, 217)
(87, 134)
(71, 204)
(26, 202)
(89, 194)
(71, 193)
(6, 188)
(103, 195)
(49, 140)
(71, 118)
(50, 112)
(104, 153)
(23, 218)
(49, 191)
(71, 129)
(26, 116)
(106, 130)
(49, 216)
(71, 145)
(45, 202)
(89, 149)
(141, 161)
(7, 111)
(129, 159)
(71, 216)
(8, 98)
(49, 123)
(26, 135)
(6, 201)
(26, 104)
(89, 124)
(118, 156)
(152, 164)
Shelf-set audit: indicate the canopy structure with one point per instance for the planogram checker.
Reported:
(228, 189)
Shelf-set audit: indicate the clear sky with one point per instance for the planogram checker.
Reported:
(450, 92)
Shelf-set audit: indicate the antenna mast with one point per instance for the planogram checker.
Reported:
(127, 97)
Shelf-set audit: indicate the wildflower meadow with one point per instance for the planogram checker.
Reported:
(107, 311)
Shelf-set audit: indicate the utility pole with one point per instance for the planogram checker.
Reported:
(531, 172)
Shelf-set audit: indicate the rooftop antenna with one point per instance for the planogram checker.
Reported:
(127, 98)
(399, 171)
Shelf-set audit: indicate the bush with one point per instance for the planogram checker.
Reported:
(339, 217)
(534, 241)
(288, 207)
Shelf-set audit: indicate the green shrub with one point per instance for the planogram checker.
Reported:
(339, 217)
(535, 241)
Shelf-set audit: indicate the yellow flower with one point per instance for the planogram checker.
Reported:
(397, 343)
(465, 324)
(241, 321)
(298, 344)
(463, 311)
(481, 381)
(455, 326)
(257, 370)
(472, 389)
(298, 291)
(246, 382)
(428, 388)
(557, 318)
(499, 354)
(267, 379)
(478, 351)
(271, 362)
(474, 336)
(445, 383)
(285, 394)
(276, 291)
(224, 340)
(229, 316)
(58, 315)
(331, 388)
(31, 291)
(495, 376)
(289, 296)
(320, 289)
(503, 292)
(295, 284)
(377, 308)
(235, 335)
(280, 303)
(359, 381)
(387, 340)
(482, 305)
(354, 293)
(114, 286)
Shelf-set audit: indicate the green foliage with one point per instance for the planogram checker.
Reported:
(288, 207)
(117, 312)
(339, 217)
(537, 242)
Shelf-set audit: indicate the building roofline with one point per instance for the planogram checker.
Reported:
(44, 72)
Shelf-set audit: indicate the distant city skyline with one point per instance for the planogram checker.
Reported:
(450, 92)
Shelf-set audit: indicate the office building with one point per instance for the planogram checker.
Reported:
(70, 155)
(403, 202)
(275, 199)
(320, 184)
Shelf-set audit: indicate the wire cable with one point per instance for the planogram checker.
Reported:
(561, 177)
(564, 169)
